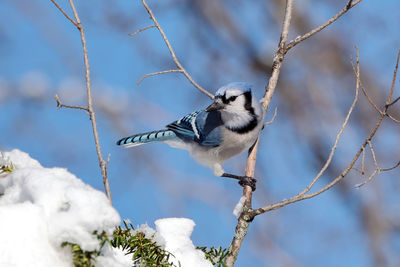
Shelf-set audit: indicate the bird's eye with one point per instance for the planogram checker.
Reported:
(232, 98)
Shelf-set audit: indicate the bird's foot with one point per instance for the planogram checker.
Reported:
(243, 180)
(250, 181)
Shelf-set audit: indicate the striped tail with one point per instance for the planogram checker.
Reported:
(143, 138)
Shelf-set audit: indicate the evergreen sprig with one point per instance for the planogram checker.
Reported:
(145, 251)
(215, 255)
(5, 165)
(81, 258)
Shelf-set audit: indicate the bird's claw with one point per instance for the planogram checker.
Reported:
(250, 181)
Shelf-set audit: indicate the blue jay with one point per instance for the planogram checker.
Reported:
(229, 126)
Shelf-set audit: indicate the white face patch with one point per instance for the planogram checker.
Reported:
(233, 92)
(236, 105)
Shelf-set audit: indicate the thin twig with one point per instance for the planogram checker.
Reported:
(92, 115)
(89, 109)
(363, 162)
(377, 170)
(393, 102)
(61, 105)
(362, 171)
(175, 59)
(391, 168)
(333, 149)
(365, 91)
(373, 155)
(388, 102)
(272, 119)
(300, 196)
(279, 56)
(140, 30)
(65, 14)
(156, 73)
(299, 39)
(358, 186)
(392, 118)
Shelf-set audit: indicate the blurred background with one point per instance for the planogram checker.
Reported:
(217, 42)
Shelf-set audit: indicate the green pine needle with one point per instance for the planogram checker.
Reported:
(215, 255)
(144, 251)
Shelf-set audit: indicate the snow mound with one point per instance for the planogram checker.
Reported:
(176, 234)
(40, 208)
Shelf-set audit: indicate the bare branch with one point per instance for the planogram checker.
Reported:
(367, 141)
(244, 219)
(175, 59)
(143, 29)
(300, 197)
(362, 171)
(391, 168)
(393, 102)
(363, 162)
(279, 56)
(273, 118)
(377, 169)
(393, 82)
(393, 118)
(156, 73)
(61, 105)
(331, 154)
(65, 14)
(92, 115)
(365, 91)
(299, 39)
(358, 186)
(89, 109)
(373, 155)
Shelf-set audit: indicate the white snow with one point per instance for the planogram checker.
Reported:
(150, 233)
(176, 233)
(114, 257)
(239, 207)
(40, 208)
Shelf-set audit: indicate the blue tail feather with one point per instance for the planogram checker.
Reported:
(143, 138)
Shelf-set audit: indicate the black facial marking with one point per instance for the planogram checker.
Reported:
(232, 98)
(247, 104)
(246, 128)
(224, 100)
(227, 100)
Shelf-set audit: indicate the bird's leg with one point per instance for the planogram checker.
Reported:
(243, 180)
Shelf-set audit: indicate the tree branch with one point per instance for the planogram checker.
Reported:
(367, 141)
(272, 119)
(156, 73)
(64, 13)
(143, 29)
(175, 59)
(299, 39)
(89, 109)
(244, 219)
(61, 105)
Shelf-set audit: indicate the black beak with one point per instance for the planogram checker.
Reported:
(215, 106)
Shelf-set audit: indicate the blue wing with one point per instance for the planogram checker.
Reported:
(200, 126)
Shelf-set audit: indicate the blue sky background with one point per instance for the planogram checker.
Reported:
(41, 56)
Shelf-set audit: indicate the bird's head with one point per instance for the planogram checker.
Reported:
(236, 103)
